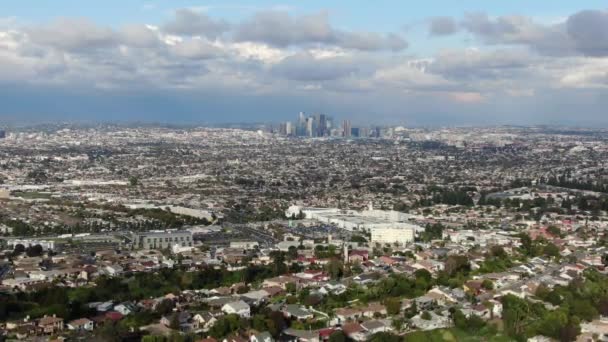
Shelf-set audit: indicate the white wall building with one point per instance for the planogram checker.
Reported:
(392, 235)
(366, 220)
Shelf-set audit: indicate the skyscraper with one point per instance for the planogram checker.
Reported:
(2, 134)
(320, 120)
(310, 127)
(346, 126)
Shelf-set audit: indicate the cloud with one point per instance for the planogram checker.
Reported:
(471, 64)
(140, 36)
(409, 76)
(305, 67)
(195, 23)
(196, 49)
(466, 97)
(518, 64)
(589, 32)
(583, 33)
(73, 35)
(442, 26)
(281, 29)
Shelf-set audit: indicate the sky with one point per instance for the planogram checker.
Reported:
(426, 63)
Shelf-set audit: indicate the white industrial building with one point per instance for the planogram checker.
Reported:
(45, 244)
(391, 235)
(366, 220)
(162, 239)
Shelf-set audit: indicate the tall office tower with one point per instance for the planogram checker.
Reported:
(283, 128)
(376, 133)
(2, 134)
(329, 124)
(320, 120)
(301, 118)
(310, 127)
(363, 132)
(288, 128)
(346, 128)
(355, 132)
(300, 126)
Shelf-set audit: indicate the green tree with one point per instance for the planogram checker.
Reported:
(487, 284)
(393, 306)
(337, 336)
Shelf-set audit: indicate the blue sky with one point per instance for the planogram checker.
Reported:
(420, 63)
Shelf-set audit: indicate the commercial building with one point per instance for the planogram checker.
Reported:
(352, 220)
(162, 239)
(391, 235)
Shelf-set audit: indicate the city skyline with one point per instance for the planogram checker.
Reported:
(433, 63)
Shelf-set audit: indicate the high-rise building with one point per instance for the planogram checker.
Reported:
(310, 126)
(289, 128)
(2, 134)
(355, 132)
(321, 122)
(346, 126)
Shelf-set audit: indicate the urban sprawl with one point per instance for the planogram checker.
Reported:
(152, 233)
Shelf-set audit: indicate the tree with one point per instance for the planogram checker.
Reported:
(291, 288)
(174, 322)
(335, 268)
(292, 253)
(515, 313)
(456, 263)
(487, 284)
(337, 336)
(526, 243)
(555, 231)
(393, 306)
(164, 307)
(397, 323)
(551, 250)
(426, 316)
(19, 249)
(133, 181)
(34, 251)
(384, 337)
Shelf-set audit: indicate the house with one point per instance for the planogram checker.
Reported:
(182, 318)
(205, 320)
(50, 324)
(273, 291)
(81, 324)
(333, 287)
(435, 322)
(358, 256)
(239, 307)
(255, 297)
(373, 309)
(473, 286)
(102, 307)
(297, 311)
(347, 314)
(355, 332)
(440, 297)
(261, 337)
(282, 281)
(376, 326)
(598, 327)
(425, 302)
(126, 308)
(113, 270)
(325, 334)
(114, 316)
(365, 278)
(300, 335)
